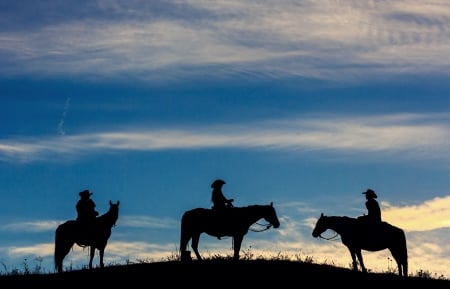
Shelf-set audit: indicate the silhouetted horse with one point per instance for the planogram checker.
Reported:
(375, 238)
(72, 232)
(234, 222)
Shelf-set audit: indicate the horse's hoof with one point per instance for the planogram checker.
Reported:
(186, 256)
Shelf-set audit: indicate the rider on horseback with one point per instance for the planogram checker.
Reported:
(86, 208)
(373, 208)
(373, 216)
(218, 199)
(220, 203)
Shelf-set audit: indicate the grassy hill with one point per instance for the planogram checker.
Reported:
(220, 273)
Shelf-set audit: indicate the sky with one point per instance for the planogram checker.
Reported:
(305, 104)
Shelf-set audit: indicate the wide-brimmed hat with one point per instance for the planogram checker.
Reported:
(370, 193)
(85, 193)
(217, 183)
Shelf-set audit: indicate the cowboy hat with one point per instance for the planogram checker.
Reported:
(85, 193)
(217, 183)
(370, 193)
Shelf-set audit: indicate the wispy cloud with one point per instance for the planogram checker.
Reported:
(407, 135)
(31, 226)
(125, 221)
(275, 38)
(148, 222)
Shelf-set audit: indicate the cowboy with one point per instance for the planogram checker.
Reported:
(373, 208)
(368, 223)
(86, 207)
(218, 199)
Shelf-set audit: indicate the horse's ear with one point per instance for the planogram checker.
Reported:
(271, 204)
(118, 202)
(110, 203)
(321, 215)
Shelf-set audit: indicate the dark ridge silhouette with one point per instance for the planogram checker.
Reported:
(222, 273)
(234, 222)
(359, 237)
(94, 235)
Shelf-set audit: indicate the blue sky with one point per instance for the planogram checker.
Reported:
(302, 103)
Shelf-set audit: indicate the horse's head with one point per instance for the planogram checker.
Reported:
(271, 216)
(114, 211)
(320, 226)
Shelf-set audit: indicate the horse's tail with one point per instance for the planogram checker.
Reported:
(183, 241)
(404, 252)
(57, 254)
(399, 250)
(184, 238)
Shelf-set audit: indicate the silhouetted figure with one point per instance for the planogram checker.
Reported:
(86, 208)
(373, 209)
(387, 237)
(218, 199)
(236, 225)
(370, 222)
(69, 233)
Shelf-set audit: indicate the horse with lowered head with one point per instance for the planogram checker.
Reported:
(94, 236)
(234, 222)
(358, 236)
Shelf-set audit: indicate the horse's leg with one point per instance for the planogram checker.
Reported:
(360, 259)
(184, 240)
(194, 245)
(101, 252)
(399, 266)
(353, 255)
(237, 242)
(185, 256)
(91, 257)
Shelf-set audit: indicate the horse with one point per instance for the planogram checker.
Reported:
(357, 237)
(234, 222)
(95, 236)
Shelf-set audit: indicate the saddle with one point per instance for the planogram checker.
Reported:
(86, 228)
(222, 216)
(368, 226)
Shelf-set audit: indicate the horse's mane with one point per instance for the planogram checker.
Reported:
(109, 216)
(339, 217)
(240, 207)
(343, 218)
(251, 206)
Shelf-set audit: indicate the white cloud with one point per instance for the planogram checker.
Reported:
(148, 222)
(430, 215)
(31, 226)
(274, 38)
(405, 135)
